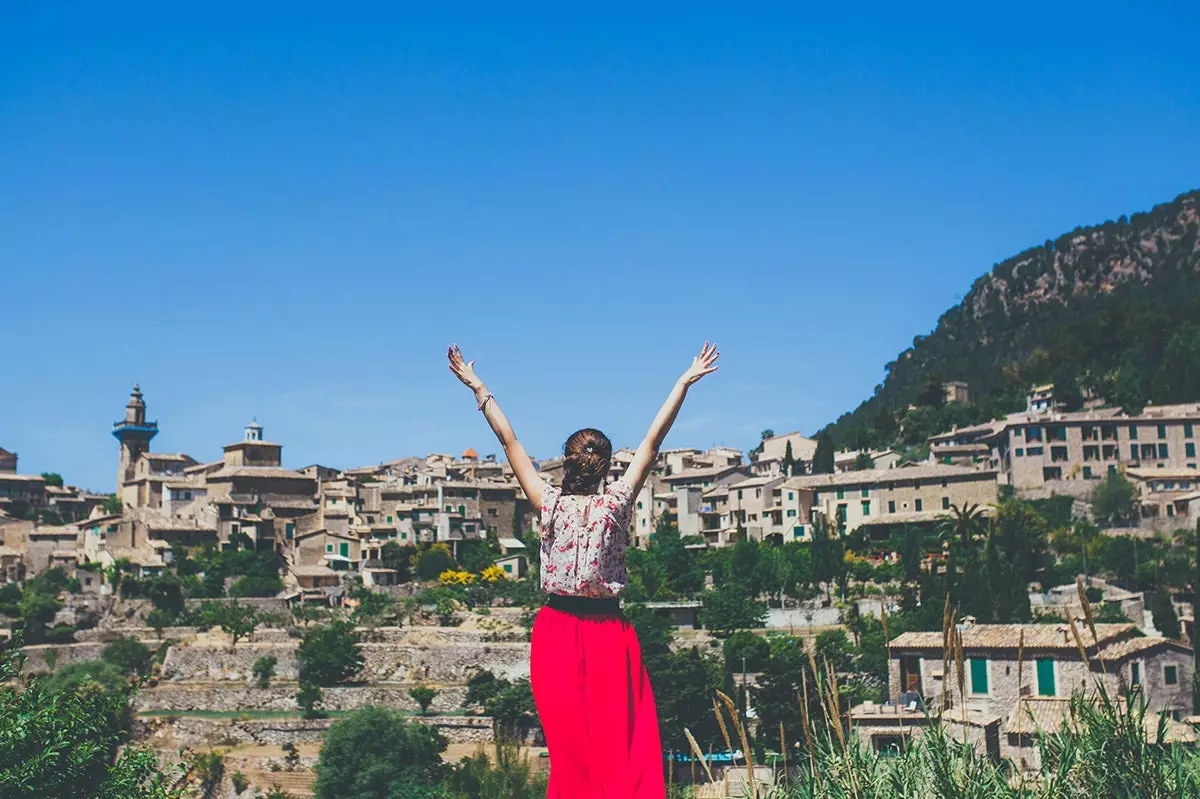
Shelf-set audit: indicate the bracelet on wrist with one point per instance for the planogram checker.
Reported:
(486, 399)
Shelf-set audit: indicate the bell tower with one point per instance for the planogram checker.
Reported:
(134, 434)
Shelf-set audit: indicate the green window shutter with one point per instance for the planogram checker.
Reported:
(1135, 677)
(389, 520)
(462, 510)
(1045, 677)
(1171, 675)
(329, 547)
(979, 676)
(344, 549)
(1189, 449)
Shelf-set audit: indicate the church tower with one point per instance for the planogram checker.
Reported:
(134, 433)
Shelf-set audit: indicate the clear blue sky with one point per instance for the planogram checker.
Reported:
(287, 210)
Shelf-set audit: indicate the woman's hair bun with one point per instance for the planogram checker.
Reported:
(587, 456)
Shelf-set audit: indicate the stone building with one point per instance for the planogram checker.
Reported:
(1043, 450)
(768, 461)
(8, 461)
(884, 498)
(1006, 665)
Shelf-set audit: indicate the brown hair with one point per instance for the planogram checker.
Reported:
(587, 456)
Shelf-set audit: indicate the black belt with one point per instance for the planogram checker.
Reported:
(584, 604)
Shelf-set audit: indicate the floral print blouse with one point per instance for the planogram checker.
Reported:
(583, 541)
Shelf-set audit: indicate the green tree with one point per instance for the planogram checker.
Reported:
(1162, 610)
(789, 460)
(113, 506)
(38, 609)
(433, 561)
(107, 676)
(53, 479)
(480, 687)
(309, 699)
(374, 753)
(264, 669)
(236, 621)
(1113, 501)
(863, 461)
(745, 650)
(822, 462)
(129, 655)
(394, 556)
(159, 620)
(372, 606)
(729, 608)
(60, 738)
(512, 709)
(330, 654)
(423, 695)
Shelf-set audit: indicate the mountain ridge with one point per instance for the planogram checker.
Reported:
(1110, 309)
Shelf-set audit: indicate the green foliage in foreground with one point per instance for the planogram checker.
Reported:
(60, 739)
(1104, 751)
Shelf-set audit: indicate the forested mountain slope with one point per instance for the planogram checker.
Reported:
(1113, 309)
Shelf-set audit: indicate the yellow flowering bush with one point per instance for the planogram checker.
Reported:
(493, 574)
(452, 577)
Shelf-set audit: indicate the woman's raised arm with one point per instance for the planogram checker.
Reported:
(518, 458)
(703, 364)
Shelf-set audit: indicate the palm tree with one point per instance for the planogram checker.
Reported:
(960, 524)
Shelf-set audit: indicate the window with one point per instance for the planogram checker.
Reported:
(1090, 432)
(1052, 473)
(1187, 430)
(1163, 452)
(891, 506)
(1033, 434)
(1133, 432)
(757, 493)
(1189, 450)
(449, 509)
(841, 513)
(1135, 674)
(1148, 452)
(945, 503)
(639, 506)
(289, 530)
(468, 528)
(979, 676)
(1162, 431)
(1045, 677)
(798, 531)
(1110, 452)
(1032, 451)
(1058, 454)
(917, 505)
(462, 510)
(791, 495)
(344, 549)
(841, 493)
(329, 547)
(492, 512)
(866, 508)
(1091, 453)
(1057, 433)
(389, 519)
(1171, 675)
(1133, 451)
(1087, 472)
(791, 513)
(739, 493)
(865, 493)
(1020, 452)
(404, 536)
(508, 568)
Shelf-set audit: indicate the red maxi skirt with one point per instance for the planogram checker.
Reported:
(596, 707)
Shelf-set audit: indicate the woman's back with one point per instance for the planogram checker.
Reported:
(583, 541)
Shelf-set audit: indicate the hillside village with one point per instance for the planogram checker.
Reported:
(317, 543)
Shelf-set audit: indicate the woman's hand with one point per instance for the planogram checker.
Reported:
(463, 370)
(703, 364)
